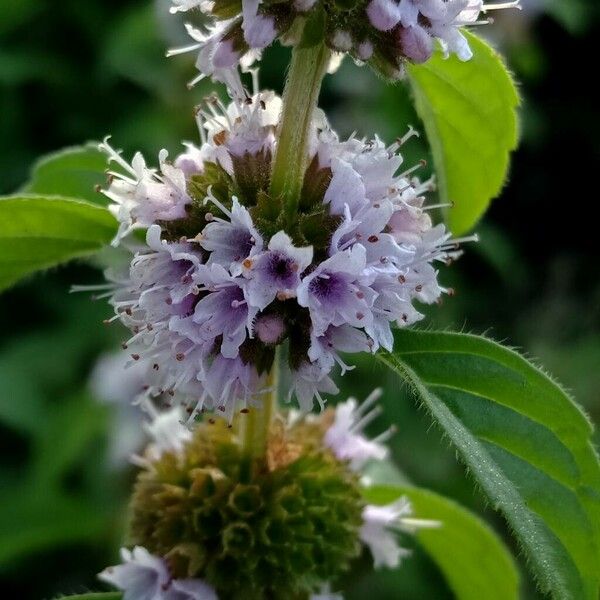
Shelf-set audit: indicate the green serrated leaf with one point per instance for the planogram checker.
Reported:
(469, 113)
(38, 232)
(72, 172)
(525, 441)
(472, 558)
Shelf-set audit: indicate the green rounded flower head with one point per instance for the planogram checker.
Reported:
(275, 528)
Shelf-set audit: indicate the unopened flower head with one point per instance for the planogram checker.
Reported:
(208, 522)
(244, 528)
(384, 33)
(224, 277)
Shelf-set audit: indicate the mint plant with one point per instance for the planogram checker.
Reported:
(258, 262)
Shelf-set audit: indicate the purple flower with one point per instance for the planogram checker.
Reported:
(381, 525)
(233, 384)
(276, 272)
(333, 292)
(206, 312)
(324, 349)
(140, 196)
(224, 311)
(259, 31)
(345, 436)
(309, 381)
(143, 576)
(231, 242)
(384, 14)
(270, 329)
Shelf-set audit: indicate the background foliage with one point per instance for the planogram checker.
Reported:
(74, 71)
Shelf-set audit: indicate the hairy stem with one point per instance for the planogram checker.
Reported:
(300, 97)
(257, 423)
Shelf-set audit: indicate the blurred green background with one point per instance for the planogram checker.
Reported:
(73, 71)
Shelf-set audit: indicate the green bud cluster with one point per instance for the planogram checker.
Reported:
(270, 529)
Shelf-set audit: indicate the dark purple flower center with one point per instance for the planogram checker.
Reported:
(282, 269)
(242, 241)
(186, 307)
(328, 288)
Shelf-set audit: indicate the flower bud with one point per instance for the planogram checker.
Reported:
(270, 329)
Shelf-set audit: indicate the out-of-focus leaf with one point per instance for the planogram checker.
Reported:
(75, 423)
(14, 14)
(575, 16)
(523, 439)
(41, 511)
(473, 559)
(33, 519)
(72, 172)
(134, 50)
(469, 113)
(95, 596)
(38, 232)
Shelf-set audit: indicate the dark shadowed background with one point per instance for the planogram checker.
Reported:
(73, 71)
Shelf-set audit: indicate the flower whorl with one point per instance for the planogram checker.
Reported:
(383, 33)
(224, 276)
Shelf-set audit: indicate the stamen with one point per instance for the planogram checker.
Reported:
(502, 5)
(421, 163)
(183, 50)
(368, 418)
(386, 435)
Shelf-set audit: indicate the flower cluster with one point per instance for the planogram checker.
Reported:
(292, 529)
(383, 33)
(225, 275)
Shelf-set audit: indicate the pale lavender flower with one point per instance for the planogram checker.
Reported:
(309, 381)
(325, 349)
(231, 241)
(400, 31)
(333, 292)
(140, 196)
(416, 23)
(277, 271)
(118, 381)
(225, 311)
(345, 436)
(143, 576)
(270, 329)
(207, 308)
(381, 526)
(217, 57)
(242, 127)
(259, 30)
(166, 430)
(385, 14)
(233, 384)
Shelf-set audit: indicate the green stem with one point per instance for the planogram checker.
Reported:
(300, 97)
(256, 424)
